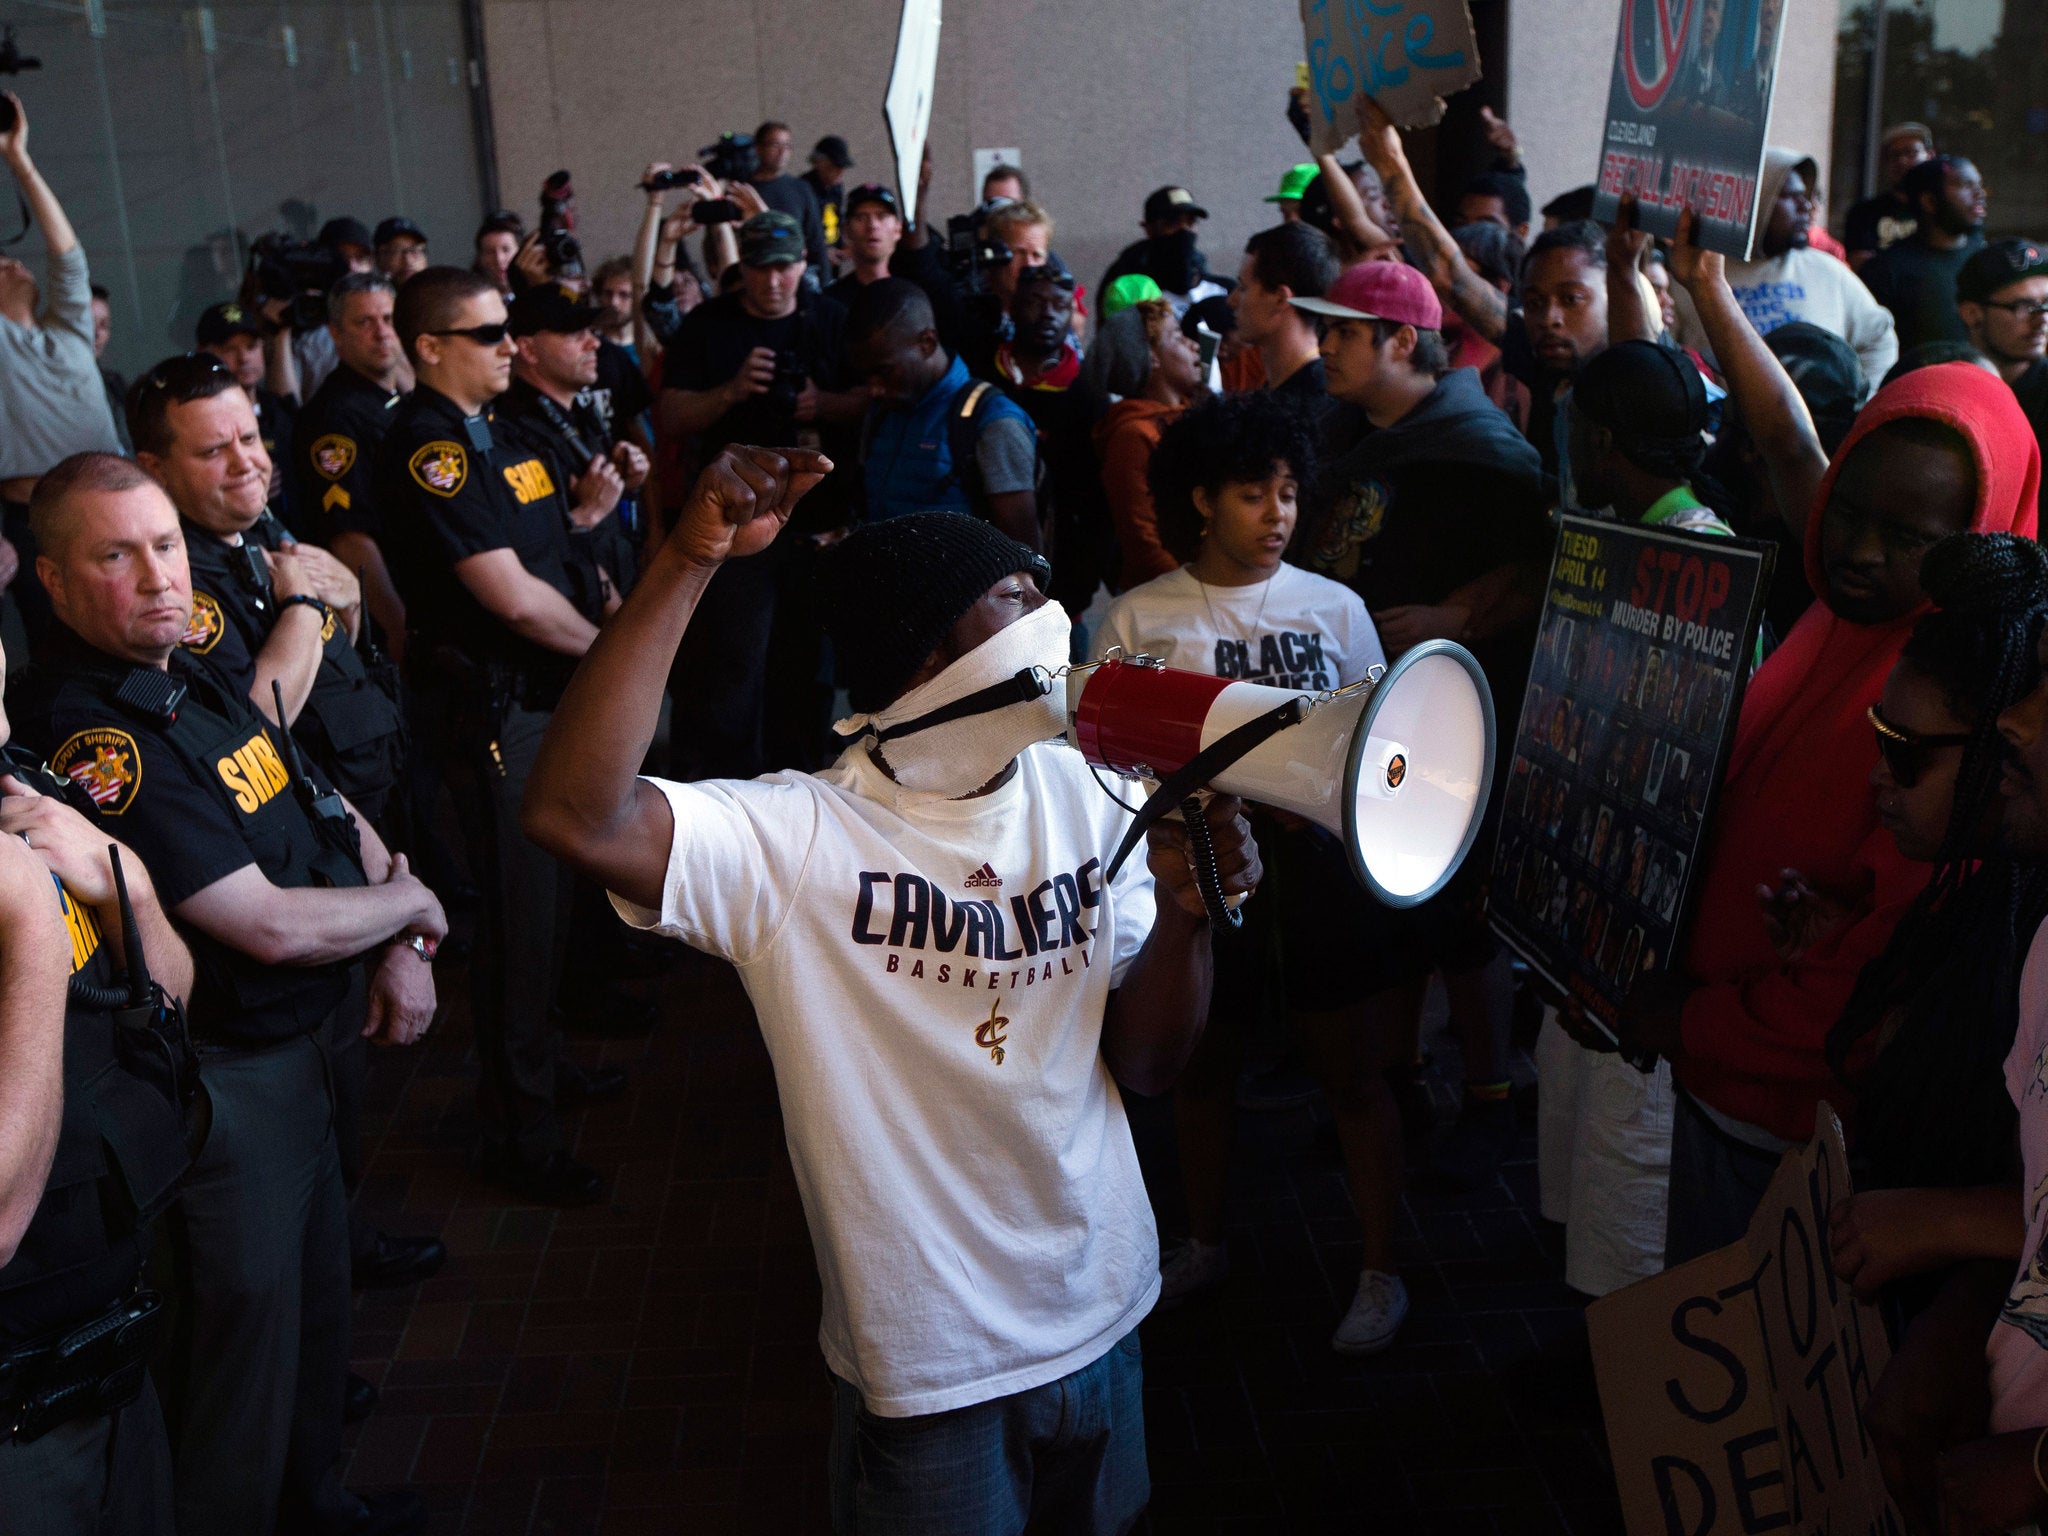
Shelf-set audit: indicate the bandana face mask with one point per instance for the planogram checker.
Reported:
(948, 737)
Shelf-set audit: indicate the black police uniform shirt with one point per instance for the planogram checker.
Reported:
(276, 421)
(198, 792)
(714, 342)
(566, 440)
(120, 1144)
(334, 454)
(351, 726)
(451, 487)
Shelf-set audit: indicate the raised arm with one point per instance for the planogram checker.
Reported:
(1628, 317)
(1483, 306)
(585, 801)
(1349, 208)
(43, 206)
(1771, 406)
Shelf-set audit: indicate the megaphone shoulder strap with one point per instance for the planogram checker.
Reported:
(1204, 766)
(1020, 688)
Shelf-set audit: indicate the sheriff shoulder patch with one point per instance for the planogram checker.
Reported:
(203, 633)
(334, 455)
(440, 467)
(105, 763)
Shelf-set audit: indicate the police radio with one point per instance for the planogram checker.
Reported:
(1397, 767)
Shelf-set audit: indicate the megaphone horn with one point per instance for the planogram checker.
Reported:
(1397, 769)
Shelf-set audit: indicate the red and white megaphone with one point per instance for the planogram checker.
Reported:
(1397, 769)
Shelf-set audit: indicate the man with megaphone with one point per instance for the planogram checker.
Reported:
(951, 988)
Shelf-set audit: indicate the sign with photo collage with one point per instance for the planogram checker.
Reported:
(1646, 641)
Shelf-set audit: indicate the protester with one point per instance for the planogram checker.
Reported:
(1885, 217)
(1281, 264)
(1043, 1251)
(1294, 182)
(1788, 280)
(1129, 433)
(1496, 197)
(2002, 300)
(1439, 518)
(1497, 256)
(1915, 277)
(1170, 254)
(936, 440)
(830, 161)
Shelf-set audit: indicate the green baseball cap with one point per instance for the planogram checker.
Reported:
(771, 240)
(1293, 184)
(1131, 288)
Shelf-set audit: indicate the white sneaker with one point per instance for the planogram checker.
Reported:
(1376, 1315)
(1191, 1267)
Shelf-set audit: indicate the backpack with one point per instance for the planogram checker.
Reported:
(966, 414)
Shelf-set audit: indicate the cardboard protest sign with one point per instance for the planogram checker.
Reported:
(1733, 1386)
(1645, 644)
(1405, 54)
(907, 108)
(1688, 112)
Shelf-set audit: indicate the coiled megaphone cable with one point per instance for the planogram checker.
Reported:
(1202, 859)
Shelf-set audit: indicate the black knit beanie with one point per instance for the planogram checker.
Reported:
(888, 593)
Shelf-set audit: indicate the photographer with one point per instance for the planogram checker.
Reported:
(763, 364)
(784, 193)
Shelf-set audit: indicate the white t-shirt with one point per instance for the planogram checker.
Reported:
(1294, 630)
(930, 977)
(1804, 284)
(2018, 1347)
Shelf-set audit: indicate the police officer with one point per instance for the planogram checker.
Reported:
(105, 1073)
(480, 547)
(235, 336)
(274, 614)
(288, 898)
(337, 436)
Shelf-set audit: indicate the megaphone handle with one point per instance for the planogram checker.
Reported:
(1223, 913)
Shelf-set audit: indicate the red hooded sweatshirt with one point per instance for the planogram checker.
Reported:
(1797, 796)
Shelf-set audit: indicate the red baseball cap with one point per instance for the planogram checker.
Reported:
(1380, 290)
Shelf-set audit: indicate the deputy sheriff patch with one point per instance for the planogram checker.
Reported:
(440, 467)
(105, 763)
(334, 455)
(203, 633)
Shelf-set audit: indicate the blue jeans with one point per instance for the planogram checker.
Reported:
(1068, 1457)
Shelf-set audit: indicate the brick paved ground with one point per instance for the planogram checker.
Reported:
(650, 1366)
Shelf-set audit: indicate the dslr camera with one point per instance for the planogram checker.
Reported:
(732, 158)
(790, 376)
(298, 270)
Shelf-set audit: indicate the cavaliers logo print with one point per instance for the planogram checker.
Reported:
(1397, 770)
(105, 763)
(1655, 32)
(988, 1034)
(440, 467)
(334, 455)
(203, 631)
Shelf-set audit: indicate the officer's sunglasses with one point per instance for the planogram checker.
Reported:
(185, 376)
(482, 335)
(1905, 752)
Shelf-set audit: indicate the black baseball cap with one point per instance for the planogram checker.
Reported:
(336, 233)
(220, 322)
(1999, 262)
(399, 229)
(771, 239)
(833, 148)
(1168, 201)
(873, 192)
(551, 307)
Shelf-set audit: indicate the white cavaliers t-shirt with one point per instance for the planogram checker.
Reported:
(930, 977)
(1293, 630)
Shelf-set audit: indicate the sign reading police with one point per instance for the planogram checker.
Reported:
(1645, 642)
(1405, 54)
(1687, 115)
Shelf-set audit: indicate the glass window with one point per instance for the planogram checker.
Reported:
(174, 135)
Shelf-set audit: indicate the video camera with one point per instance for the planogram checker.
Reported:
(12, 62)
(557, 225)
(970, 251)
(732, 158)
(298, 271)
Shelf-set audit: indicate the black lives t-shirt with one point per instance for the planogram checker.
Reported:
(714, 342)
(620, 393)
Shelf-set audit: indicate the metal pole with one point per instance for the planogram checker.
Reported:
(1873, 97)
(480, 103)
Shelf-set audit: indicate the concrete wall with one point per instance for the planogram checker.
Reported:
(1105, 101)
(1557, 99)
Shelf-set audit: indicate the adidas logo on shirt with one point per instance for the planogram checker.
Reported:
(983, 879)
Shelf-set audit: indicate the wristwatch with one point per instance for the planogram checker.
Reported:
(423, 946)
(309, 600)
